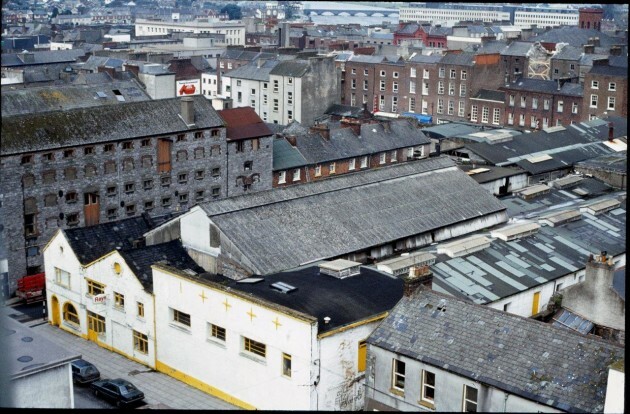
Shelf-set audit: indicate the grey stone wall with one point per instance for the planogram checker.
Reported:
(320, 89)
(259, 176)
(197, 174)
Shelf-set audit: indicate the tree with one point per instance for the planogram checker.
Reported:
(55, 12)
(233, 11)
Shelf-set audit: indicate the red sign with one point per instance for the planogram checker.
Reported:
(187, 89)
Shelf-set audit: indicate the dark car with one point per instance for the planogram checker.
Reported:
(118, 390)
(84, 372)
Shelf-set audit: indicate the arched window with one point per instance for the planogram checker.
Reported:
(70, 314)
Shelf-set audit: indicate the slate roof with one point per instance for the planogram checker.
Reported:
(522, 356)
(460, 59)
(243, 123)
(44, 99)
(492, 46)
(507, 268)
(620, 61)
(344, 301)
(344, 110)
(517, 48)
(344, 143)
(569, 52)
(565, 159)
(42, 57)
(92, 242)
(293, 68)
(609, 70)
(449, 130)
(493, 174)
(286, 156)
(252, 71)
(538, 143)
(367, 58)
(279, 230)
(574, 36)
(36, 132)
(617, 162)
(141, 259)
(533, 85)
(409, 28)
(490, 95)
(418, 58)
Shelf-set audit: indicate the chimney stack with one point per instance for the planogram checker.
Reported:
(615, 50)
(419, 277)
(596, 41)
(188, 110)
(589, 49)
(322, 129)
(611, 132)
(292, 139)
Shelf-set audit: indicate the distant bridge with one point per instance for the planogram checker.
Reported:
(346, 9)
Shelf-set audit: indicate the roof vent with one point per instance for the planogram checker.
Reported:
(464, 246)
(560, 218)
(327, 319)
(515, 231)
(533, 191)
(600, 207)
(402, 265)
(553, 129)
(340, 268)
(478, 171)
(283, 287)
(565, 182)
(540, 158)
(251, 280)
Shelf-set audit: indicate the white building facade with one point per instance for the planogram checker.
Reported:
(234, 31)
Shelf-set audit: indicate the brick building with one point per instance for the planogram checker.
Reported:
(81, 167)
(408, 31)
(487, 107)
(605, 90)
(590, 18)
(533, 104)
(374, 80)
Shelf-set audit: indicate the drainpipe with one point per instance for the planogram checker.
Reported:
(155, 356)
(505, 402)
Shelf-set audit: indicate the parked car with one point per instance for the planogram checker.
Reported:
(118, 390)
(84, 372)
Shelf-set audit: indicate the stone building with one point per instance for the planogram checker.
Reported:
(81, 167)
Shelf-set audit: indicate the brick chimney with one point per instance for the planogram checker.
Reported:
(291, 139)
(419, 277)
(589, 49)
(611, 131)
(322, 129)
(188, 110)
(615, 50)
(355, 125)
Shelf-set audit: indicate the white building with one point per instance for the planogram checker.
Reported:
(447, 15)
(290, 341)
(234, 31)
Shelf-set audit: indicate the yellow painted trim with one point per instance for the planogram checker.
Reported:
(106, 255)
(193, 382)
(242, 296)
(80, 335)
(353, 325)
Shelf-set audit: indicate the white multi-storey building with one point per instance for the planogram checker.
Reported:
(234, 31)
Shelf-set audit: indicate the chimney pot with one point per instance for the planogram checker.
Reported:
(326, 319)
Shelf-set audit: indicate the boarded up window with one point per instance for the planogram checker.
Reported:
(28, 180)
(216, 150)
(214, 236)
(30, 205)
(90, 170)
(50, 200)
(255, 144)
(70, 173)
(182, 155)
(147, 161)
(128, 164)
(49, 177)
(164, 155)
(110, 167)
(199, 153)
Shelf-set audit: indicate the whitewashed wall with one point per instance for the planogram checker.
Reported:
(225, 366)
(51, 388)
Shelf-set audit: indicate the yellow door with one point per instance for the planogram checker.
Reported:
(536, 302)
(55, 310)
(96, 326)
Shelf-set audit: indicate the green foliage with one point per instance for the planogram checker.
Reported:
(233, 11)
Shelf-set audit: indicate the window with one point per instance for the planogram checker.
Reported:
(127, 145)
(68, 153)
(382, 158)
(612, 86)
(594, 84)
(382, 85)
(442, 72)
(49, 156)
(452, 74)
(27, 159)
(216, 191)
(523, 101)
(532, 121)
(127, 164)
(49, 177)
(546, 104)
(365, 72)
(496, 116)
(181, 317)
(451, 88)
(130, 209)
(108, 148)
(112, 213)
(440, 106)
(62, 278)
(394, 104)
(254, 347)
(130, 188)
(521, 119)
(353, 71)
(398, 375)
(318, 170)
(365, 85)
(412, 104)
(183, 198)
(461, 109)
(216, 332)
(425, 74)
(428, 386)
(119, 300)
(611, 103)
(147, 184)
(182, 155)
(395, 74)
(71, 197)
(474, 113)
(140, 309)
(88, 151)
(462, 90)
(362, 356)
(451, 107)
(331, 168)
(534, 103)
(393, 156)
(182, 178)
(463, 75)
(166, 201)
(286, 365)
(275, 105)
(111, 190)
(412, 73)
(145, 142)
(574, 108)
(441, 88)
(560, 106)
(511, 100)
(510, 120)
(148, 205)
(94, 288)
(470, 399)
(140, 342)
(70, 314)
(290, 98)
(382, 73)
(485, 112)
(50, 200)
(353, 84)
(275, 85)
(296, 174)
(395, 87)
